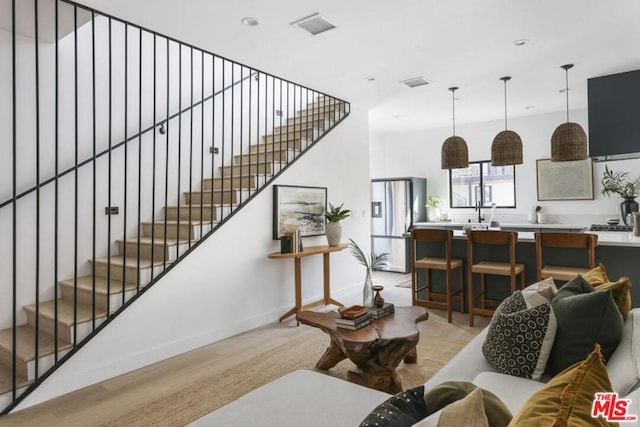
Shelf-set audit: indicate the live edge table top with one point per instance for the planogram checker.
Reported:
(377, 349)
(401, 324)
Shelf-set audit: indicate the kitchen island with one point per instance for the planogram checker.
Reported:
(619, 251)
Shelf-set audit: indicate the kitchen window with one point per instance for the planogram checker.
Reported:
(484, 184)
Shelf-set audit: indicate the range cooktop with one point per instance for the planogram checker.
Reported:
(607, 227)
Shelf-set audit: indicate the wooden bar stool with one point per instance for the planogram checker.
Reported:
(585, 241)
(510, 269)
(428, 263)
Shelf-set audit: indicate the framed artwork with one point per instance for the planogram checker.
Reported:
(299, 207)
(565, 180)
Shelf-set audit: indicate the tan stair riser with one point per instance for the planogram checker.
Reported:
(309, 116)
(197, 214)
(316, 109)
(131, 274)
(308, 122)
(301, 127)
(47, 325)
(287, 136)
(249, 169)
(269, 147)
(283, 156)
(231, 183)
(187, 231)
(6, 358)
(159, 250)
(85, 296)
(227, 197)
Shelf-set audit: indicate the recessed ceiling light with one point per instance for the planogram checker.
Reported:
(249, 21)
(520, 42)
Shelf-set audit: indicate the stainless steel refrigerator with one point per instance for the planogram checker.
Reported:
(396, 204)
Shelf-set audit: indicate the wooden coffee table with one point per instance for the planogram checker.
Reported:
(376, 349)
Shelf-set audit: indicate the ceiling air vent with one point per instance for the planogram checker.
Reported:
(313, 24)
(416, 81)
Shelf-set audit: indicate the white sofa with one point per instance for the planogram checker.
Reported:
(314, 399)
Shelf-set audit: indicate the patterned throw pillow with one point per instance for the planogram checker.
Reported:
(402, 409)
(521, 335)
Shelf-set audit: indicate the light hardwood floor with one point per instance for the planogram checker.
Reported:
(113, 398)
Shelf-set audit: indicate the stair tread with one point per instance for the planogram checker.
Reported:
(130, 262)
(6, 380)
(65, 311)
(146, 240)
(250, 175)
(25, 339)
(86, 283)
(182, 222)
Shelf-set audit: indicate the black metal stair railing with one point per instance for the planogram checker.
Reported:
(128, 149)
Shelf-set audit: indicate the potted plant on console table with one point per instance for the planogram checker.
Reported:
(334, 215)
(619, 183)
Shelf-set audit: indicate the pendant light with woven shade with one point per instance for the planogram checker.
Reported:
(506, 148)
(569, 141)
(454, 154)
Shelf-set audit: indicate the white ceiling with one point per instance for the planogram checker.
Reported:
(465, 43)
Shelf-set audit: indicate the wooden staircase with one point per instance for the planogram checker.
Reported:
(85, 302)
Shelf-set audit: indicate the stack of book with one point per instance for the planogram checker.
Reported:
(354, 318)
(291, 242)
(380, 312)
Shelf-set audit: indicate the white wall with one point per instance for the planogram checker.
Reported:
(418, 154)
(228, 285)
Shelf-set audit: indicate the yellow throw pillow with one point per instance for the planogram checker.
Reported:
(596, 276)
(621, 291)
(567, 399)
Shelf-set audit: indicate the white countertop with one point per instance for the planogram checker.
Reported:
(605, 238)
(505, 224)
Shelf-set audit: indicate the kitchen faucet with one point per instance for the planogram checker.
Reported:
(480, 217)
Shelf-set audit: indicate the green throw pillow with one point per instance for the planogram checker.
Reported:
(584, 317)
(448, 392)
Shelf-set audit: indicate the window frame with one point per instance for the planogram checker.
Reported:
(482, 188)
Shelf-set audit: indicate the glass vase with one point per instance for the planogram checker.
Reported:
(367, 293)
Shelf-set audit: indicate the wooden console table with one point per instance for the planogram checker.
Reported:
(377, 349)
(308, 251)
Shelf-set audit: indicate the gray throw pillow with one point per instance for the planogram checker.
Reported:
(585, 317)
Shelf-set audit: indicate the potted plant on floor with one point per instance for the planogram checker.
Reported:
(334, 215)
(369, 262)
(619, 183)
